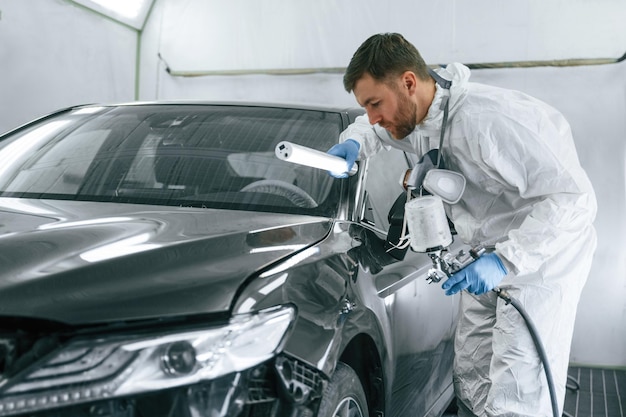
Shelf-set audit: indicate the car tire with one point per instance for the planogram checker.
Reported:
(344, 395)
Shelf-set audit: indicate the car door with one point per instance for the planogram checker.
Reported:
(420, 317)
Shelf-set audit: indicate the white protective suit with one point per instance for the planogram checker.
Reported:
(527, 193)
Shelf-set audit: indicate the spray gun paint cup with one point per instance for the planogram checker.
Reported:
(428, 224)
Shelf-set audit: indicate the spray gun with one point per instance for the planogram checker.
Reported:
(428, 226)
(429, 232)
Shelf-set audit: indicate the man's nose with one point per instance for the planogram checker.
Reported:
(374, 117)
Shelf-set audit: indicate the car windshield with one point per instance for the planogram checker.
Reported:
(176, 155)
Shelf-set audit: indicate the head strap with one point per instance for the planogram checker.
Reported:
(443, 83)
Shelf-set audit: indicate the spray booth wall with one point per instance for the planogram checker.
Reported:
(54, 54)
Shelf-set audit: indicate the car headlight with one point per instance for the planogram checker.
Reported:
(114, 366)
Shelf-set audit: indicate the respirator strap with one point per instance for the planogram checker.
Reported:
(445, 84)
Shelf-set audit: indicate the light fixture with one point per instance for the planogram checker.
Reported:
(302, 155)
(129, 12)
(127, 8)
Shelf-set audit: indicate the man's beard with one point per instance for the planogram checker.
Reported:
(407, 117)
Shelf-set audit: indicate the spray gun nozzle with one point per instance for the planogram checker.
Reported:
(445, 263)
(439, 269)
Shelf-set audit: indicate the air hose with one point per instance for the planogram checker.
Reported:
(508, 299)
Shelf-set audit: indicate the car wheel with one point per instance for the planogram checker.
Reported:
(344, 395)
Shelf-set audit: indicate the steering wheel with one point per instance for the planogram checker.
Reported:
(295, 194)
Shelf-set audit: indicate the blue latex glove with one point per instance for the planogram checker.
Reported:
(348, 150)
(482, 275)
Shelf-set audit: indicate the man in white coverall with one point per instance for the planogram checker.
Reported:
(526, 194)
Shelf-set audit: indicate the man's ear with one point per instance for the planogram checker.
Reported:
(409, 81)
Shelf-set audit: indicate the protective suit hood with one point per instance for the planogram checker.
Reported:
(459, 74)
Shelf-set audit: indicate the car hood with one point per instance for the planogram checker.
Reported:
(85, 262)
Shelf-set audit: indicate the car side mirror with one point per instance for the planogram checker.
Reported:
(396, 222)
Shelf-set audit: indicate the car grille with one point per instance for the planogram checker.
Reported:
(260, 386)
(302, 383)
(18, 349)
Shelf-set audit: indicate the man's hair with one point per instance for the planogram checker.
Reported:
(383, 56)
